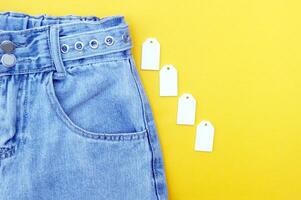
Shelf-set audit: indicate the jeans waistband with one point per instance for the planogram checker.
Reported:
(46, 42)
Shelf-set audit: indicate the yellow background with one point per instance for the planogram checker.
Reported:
(241, 60)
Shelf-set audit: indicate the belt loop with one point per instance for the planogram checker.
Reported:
(56, 53)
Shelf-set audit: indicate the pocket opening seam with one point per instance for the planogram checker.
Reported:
(80, 131)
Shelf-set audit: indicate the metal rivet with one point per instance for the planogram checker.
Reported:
(7, 46)
(64, 48)
(94, 44)
(109, 40)
(8, 60)
(79, 46)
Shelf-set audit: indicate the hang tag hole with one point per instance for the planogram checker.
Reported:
(168, 68)
(187, 97)
(206, 124)
(151, 41)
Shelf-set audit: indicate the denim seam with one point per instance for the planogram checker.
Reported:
(24, 32)
(25, 105)
(30, 59)
(56, 56)
(97, 62)
(47, 27)
(49, 47)
(19, 115)
(44, 69)
(97, 136)
(1, 83)
(6, 152)
(93, 32)
(92, 23)
(147, 128)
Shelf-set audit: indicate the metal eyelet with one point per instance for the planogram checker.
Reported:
(125, 37)
(79, 46)
(94, 44)
(109, 40)
(64, 48)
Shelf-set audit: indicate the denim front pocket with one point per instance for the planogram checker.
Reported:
(99, 100)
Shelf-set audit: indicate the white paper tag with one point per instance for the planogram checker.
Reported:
(150, 54)
(186, 109)
(204, 137)
(168, 81)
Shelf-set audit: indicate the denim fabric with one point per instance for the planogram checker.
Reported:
(75, 124)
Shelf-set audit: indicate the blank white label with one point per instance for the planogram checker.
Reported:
(186, 109)
(150, 54)
(204, 137)
(168, 81)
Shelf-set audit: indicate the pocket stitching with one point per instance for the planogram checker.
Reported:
(78, 130)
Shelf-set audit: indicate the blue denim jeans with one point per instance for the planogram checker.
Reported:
(75, 122)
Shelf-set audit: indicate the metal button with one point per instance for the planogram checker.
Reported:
(8, 60)
(109, 40)
(7, 46)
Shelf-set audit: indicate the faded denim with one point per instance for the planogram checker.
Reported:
(75, 125)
